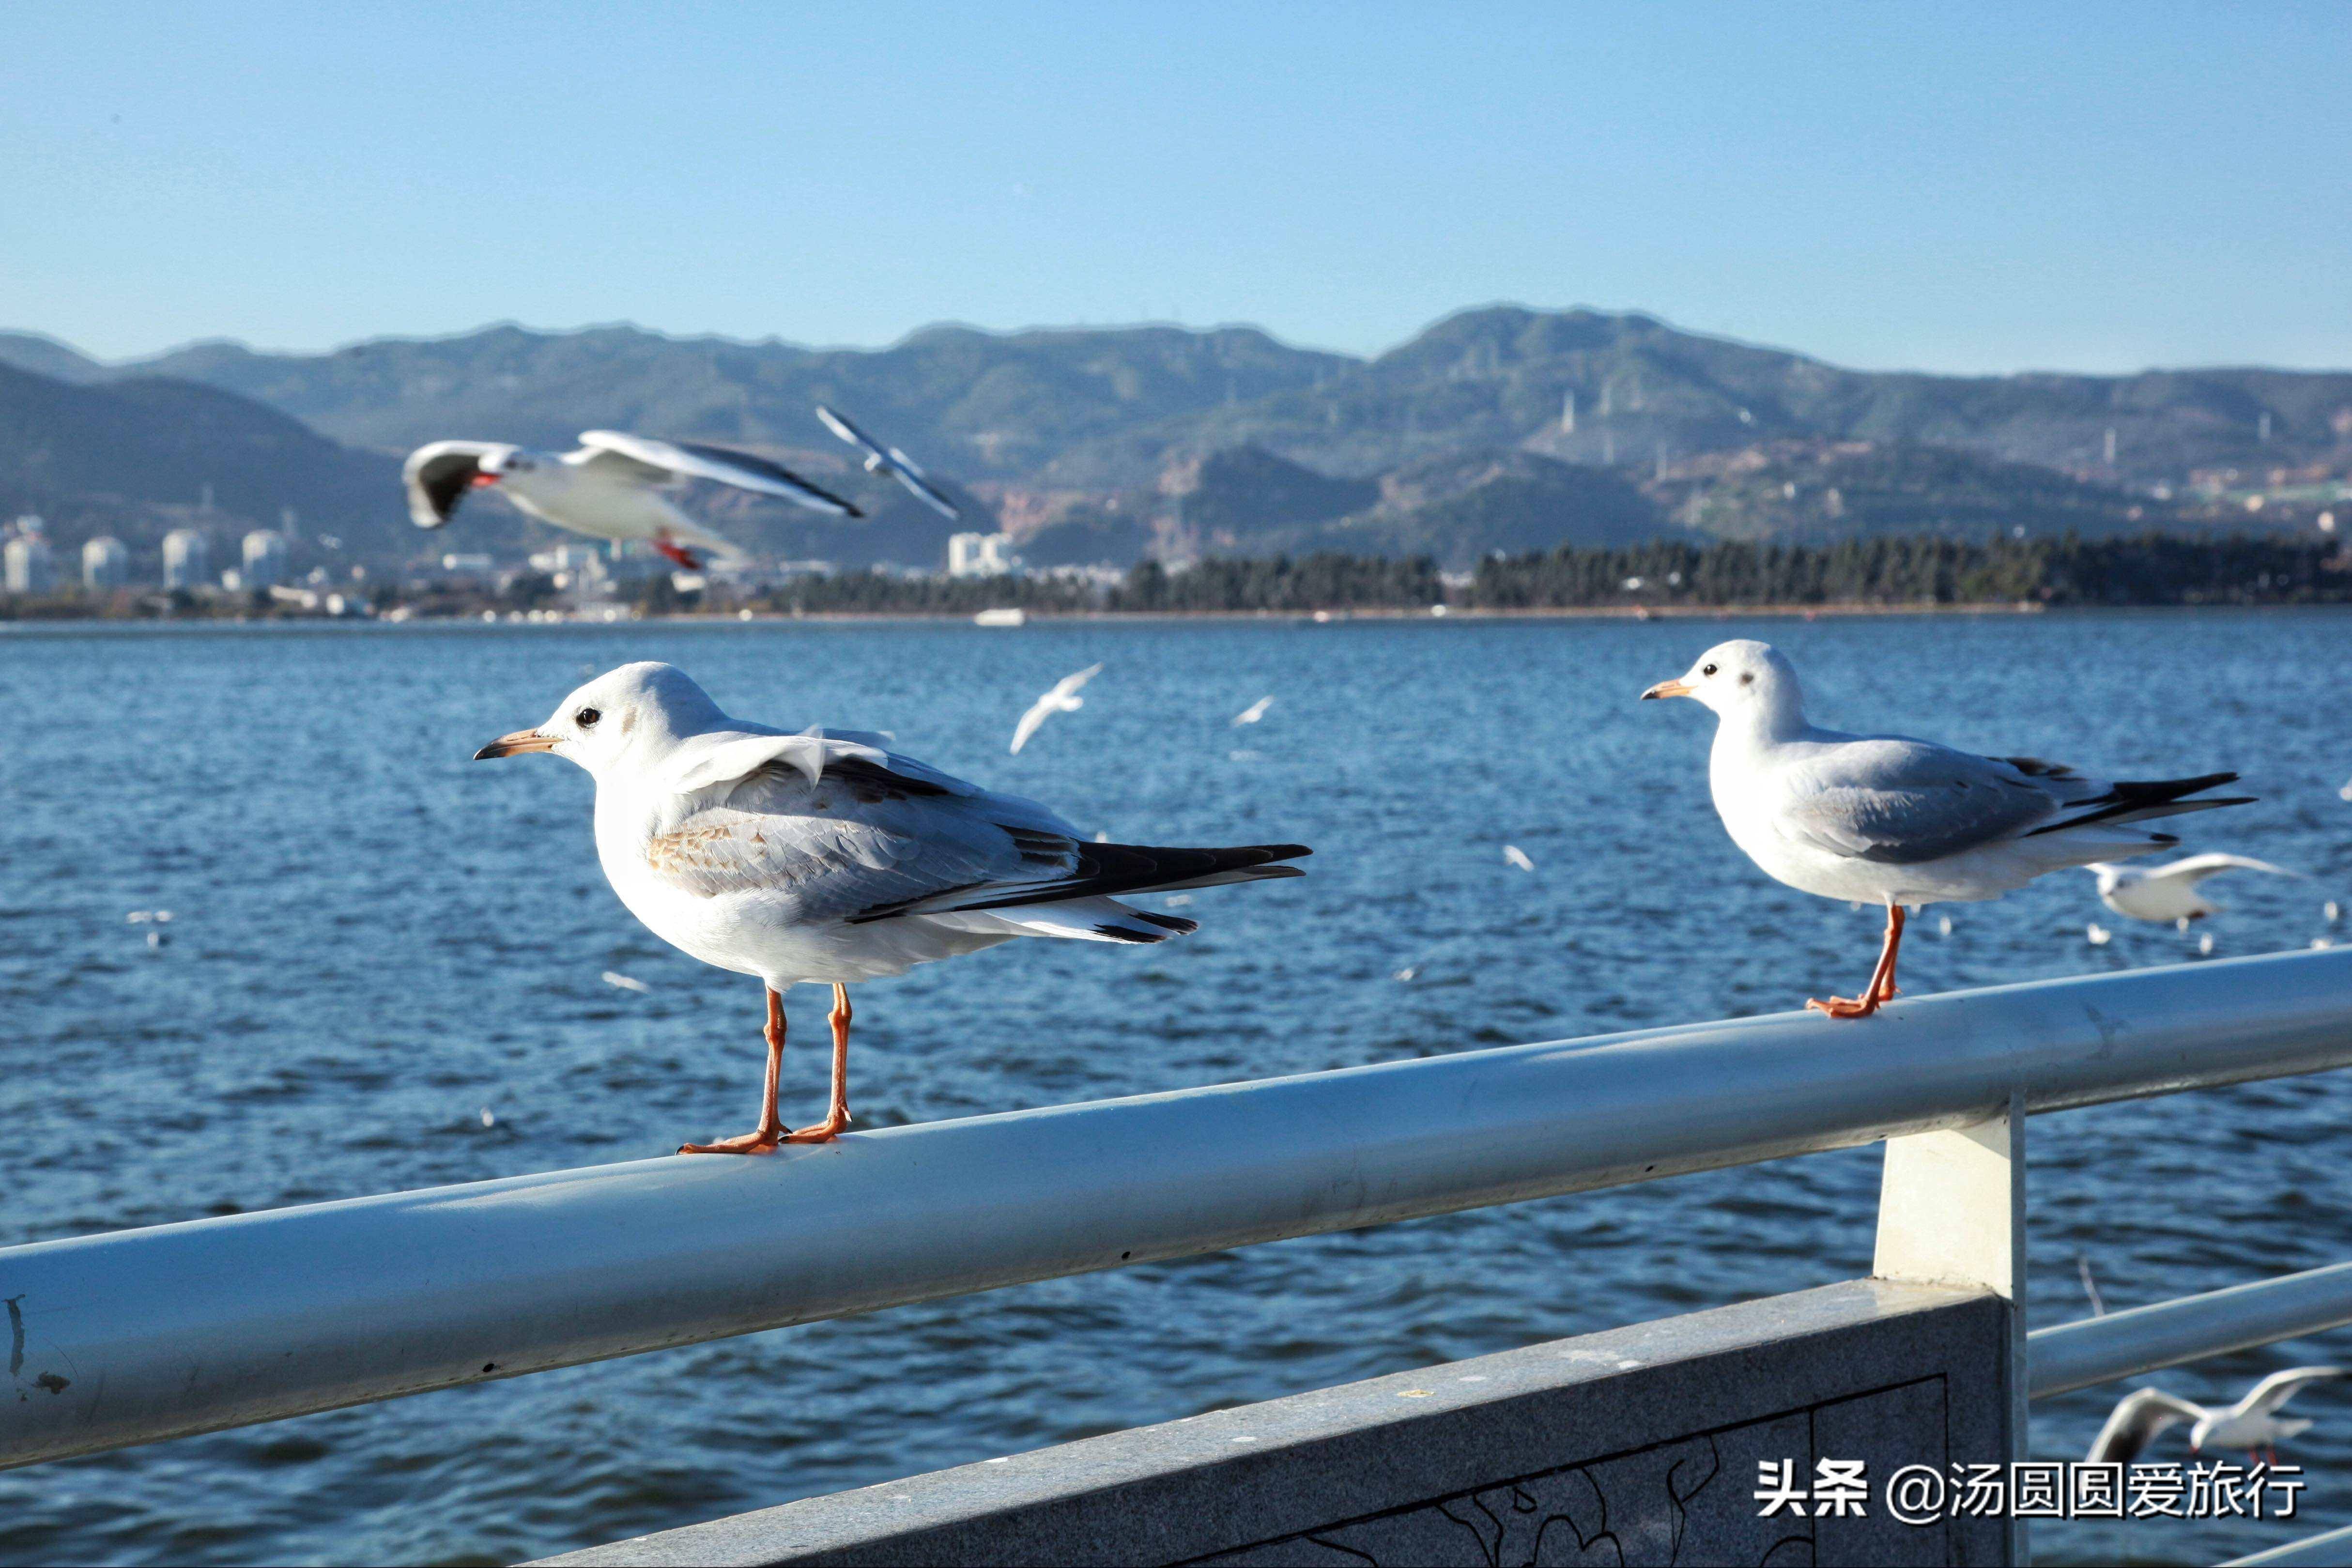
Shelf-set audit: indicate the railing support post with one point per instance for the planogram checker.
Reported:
(1951, 1211)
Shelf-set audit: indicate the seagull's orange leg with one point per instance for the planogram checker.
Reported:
(772, 1126)
(838, 1117)
(669, 547)
(1881, 989)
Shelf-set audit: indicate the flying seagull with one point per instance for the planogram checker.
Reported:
(2253, 1423)
(826, 857)
(1895, 821)
(609, 488)
(2165, 894)
(1253, 713)
(1062, 699)
(881, 459)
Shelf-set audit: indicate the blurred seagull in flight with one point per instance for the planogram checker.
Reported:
(1255, 712)
(881, 459)
(1518, 856)
(2166, 894)
(2253, 1423)
(610, 488)
(1899, 822)
(824, 857)
(1062, 699)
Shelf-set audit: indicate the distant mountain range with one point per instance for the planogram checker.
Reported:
(1501, 428)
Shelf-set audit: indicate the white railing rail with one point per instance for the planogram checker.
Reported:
(147, 1334)
(2092, 1350)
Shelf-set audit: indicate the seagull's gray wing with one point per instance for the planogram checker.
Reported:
(2195, 868)
(864, 830)
(692, 459)
(841, 426)
(1901, 802)
(903, 469)
(2134, 1424)
(2281, 1386)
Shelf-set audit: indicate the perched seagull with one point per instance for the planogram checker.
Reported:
(1062, 699)
(1255, 712)
(610, 489)
(1895, 821)
(2164, 894)
(881, 459)
(2251, 1423)
(826, 857)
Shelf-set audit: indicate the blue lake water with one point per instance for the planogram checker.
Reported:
(375, 940)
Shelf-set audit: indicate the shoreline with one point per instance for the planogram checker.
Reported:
(196, 623)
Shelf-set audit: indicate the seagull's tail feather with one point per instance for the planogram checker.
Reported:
(1087, 919)
(2143, 800)
(1105, 869)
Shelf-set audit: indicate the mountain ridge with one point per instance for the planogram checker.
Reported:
(1501, 427)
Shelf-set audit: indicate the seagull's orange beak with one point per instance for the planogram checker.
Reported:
(1669, 688)
(513, 745)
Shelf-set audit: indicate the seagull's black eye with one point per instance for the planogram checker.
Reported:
(1706, 670)
(586, 717)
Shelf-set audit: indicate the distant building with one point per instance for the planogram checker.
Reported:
(186, 562)
(981, 555)
(265, 564)
(104, 564)
(31, 568)
(566, 557)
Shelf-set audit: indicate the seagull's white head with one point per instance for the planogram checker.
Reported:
(1742, 679)
(638, 710)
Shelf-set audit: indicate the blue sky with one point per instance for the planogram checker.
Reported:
(1959, 188)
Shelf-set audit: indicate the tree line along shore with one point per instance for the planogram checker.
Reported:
(1875, 573)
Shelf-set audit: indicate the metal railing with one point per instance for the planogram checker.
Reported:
(2092, 1350)
(160, 1333)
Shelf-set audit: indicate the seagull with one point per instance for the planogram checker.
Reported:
(1514, 856)
(2089, 1286)
(1255, 712)
(609, 488)
(2251, 1423)
(1062, 699)
(2164, 894)
(1895, 821)
(826, 857)
(881, 459)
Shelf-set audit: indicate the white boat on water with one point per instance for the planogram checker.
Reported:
(1012, 618)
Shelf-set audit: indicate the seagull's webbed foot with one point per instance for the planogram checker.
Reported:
(824, 1132)
(678, 554)
(1882, 988)
(761, 1142)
